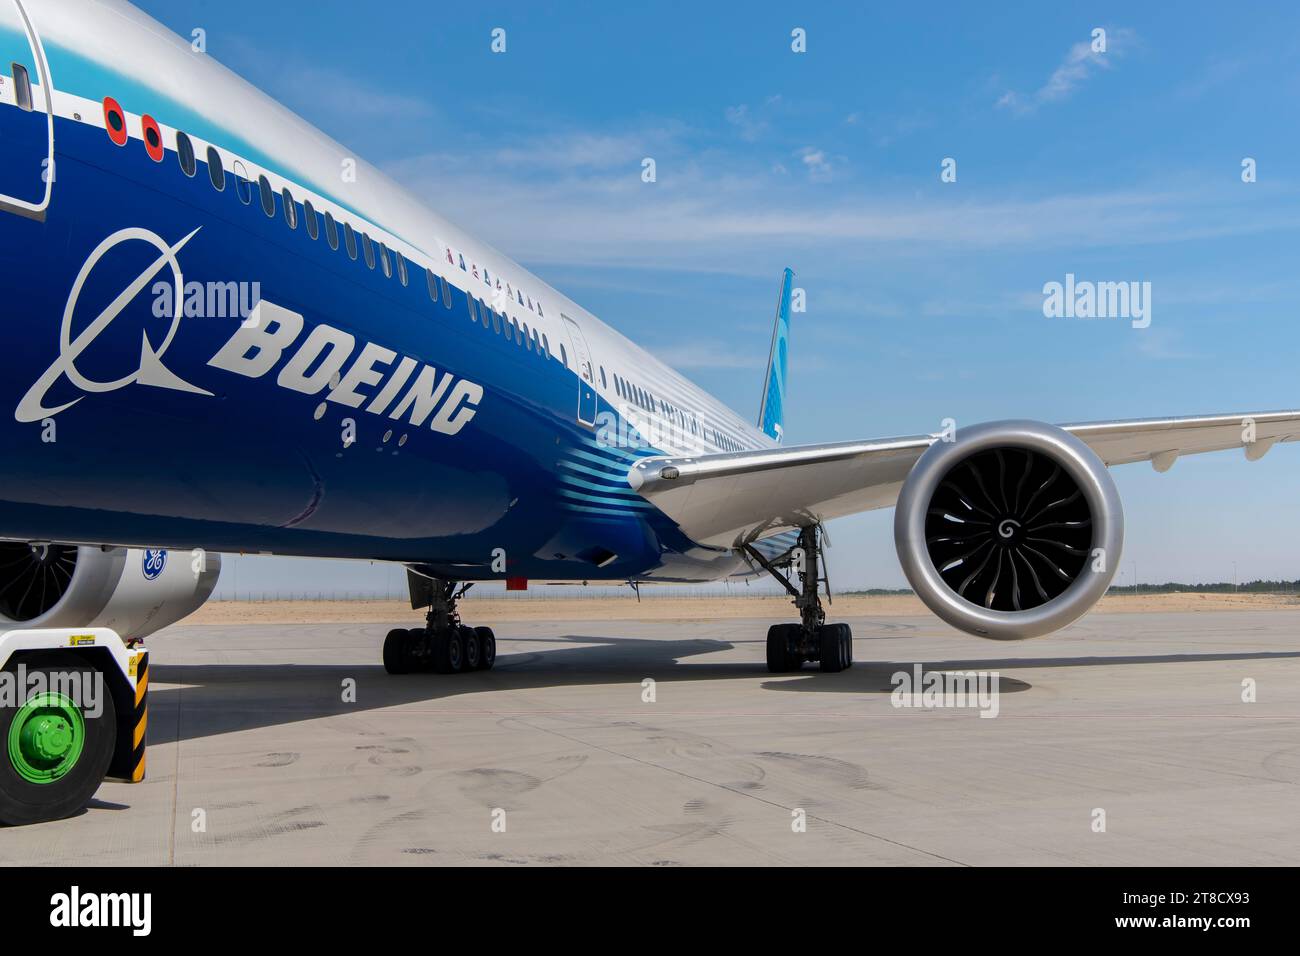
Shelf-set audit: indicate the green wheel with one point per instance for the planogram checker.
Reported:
(46, 737)
(56, 752)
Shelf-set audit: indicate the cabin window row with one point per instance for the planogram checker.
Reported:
(513, 330)
(356, 245)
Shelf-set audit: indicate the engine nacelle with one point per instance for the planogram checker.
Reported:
(1010, 531)
(131, 590)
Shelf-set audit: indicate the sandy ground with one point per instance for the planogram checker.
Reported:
(662, 607)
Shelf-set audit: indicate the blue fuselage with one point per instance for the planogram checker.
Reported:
(253, 465)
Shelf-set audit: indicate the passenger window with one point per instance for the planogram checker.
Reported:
(369, 248)
(268, 195)
(401, 267)
(384, 263)
(564, 355)
(546, 345)
(22, 88)
(469, 301)
(446, 294)
(350, 240)
(185, 153)
(290, 208)
(483, 312)
(496, 322)
(216, 172)
(331, 230)
(313, 224)
(432, 280)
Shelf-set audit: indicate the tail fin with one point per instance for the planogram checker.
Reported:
(771, 414)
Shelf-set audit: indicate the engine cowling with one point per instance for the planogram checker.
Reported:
(1010, 531)
(131, 590)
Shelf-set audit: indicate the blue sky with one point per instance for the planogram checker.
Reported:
(924, 297)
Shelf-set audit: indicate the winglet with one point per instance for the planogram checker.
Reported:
(771, 414)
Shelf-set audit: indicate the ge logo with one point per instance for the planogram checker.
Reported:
(155, 559)
(1008, 528)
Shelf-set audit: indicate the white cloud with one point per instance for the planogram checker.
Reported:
(1080, 63)
(816, 162)
(578, 199)
(298, 81)
(751, 127)
(1162, 343)
(713, 355)
(580, 151)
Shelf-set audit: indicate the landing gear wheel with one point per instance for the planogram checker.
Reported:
(833, 647)
(447, 652)
(781, 654)
(848, 646)
(470, 649)
(55, 754)
(418, 660)
(397, 653)
(487, 648)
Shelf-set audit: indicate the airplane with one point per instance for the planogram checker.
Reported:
(225, 332)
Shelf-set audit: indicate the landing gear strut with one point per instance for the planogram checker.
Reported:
(444, 645)
(812, 639)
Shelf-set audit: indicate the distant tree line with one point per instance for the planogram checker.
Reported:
(1215, 587)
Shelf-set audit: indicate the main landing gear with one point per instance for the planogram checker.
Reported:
(812, 639)
(444, 645)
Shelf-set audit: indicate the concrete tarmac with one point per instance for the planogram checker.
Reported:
(556, 757)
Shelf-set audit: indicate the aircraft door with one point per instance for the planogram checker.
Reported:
(27, 172)
(586, 372)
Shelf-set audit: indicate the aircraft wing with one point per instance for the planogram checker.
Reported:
(726, 499)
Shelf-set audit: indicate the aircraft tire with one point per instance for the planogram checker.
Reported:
(396, 651)
(55, 753)
(487, 642)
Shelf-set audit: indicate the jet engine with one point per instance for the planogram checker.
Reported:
(134, 591)
(1011, 530)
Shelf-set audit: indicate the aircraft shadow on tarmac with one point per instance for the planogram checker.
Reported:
(211, 699)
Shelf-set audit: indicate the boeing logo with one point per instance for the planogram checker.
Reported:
(410, 389)
(150, 371)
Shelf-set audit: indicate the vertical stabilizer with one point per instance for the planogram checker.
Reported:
(771, 414)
